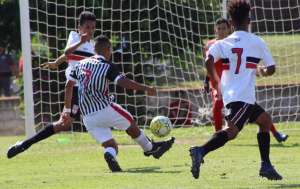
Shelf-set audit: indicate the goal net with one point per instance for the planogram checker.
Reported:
(160, 43)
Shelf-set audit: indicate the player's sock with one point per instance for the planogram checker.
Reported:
(263, 139)
(218, 140)
(217, 115)
(143, 141)
(45, 133)
(273, 130)
(111, 150)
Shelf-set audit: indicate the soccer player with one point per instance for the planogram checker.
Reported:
(79, 46)
(99, 113)
(240, 53)
(222, 30)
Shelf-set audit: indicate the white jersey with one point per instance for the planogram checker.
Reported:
(240, 53)
(83, 51)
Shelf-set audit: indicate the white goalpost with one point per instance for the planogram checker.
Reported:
(159, 43)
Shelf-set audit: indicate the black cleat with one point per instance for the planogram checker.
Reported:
(159, 148)
(15, 149)
(197, 159)
(280, 137)
(112, 163)
(268, 171)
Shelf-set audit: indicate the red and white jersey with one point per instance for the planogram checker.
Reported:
(83, 51)
(240, 53)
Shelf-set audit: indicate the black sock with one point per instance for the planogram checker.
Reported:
(45, 133)
(263, 139)
(218, 140)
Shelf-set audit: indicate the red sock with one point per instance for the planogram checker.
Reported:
(273, 130)
(217, 114)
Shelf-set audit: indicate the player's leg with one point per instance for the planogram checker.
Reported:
(123, 120)
(49, 130)
(239, 114)
(264, 122)
(98, 126)
(279, 136)
(217, 111)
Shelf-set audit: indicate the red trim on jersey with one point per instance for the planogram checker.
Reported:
(123, 113)
(75, 57)
(251, 65)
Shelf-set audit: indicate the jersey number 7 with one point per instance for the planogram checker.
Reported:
(238, 52)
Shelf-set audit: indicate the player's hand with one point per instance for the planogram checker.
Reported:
(85, 37)
(151, 91)
(66, 118)
(50, 65)
(260, 71)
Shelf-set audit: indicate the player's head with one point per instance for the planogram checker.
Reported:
(87, 23)
(222, 28)
(239, 11)
(103, 46)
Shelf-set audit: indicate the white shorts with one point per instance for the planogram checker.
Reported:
(99, 123)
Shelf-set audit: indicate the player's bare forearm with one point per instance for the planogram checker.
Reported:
(72, 48)
(62, 58)
(130, 84)
(211, 71)
(268, 71)
(68, 93)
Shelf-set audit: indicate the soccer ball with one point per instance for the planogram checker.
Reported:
(161, 126)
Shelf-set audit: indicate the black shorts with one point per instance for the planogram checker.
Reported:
(75, 112)
(240, 113)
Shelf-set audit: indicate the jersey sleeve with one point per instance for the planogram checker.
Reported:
(73, 75)
(215, 51)
(266, 55)
(113, 74)
(73, 38)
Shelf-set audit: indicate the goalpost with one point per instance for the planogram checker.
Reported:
(160, 43)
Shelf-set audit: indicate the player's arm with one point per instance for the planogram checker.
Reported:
(114, 75)
(83, 38)
(266, 71)
(130, 84)
(269, 64)
(210, 67)
(56, 63)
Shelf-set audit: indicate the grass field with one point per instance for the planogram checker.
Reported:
(77, 162)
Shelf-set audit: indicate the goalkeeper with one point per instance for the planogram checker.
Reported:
(79, 46)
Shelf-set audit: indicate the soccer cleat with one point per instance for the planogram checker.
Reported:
(197, 158)
(280, 137)
(268, 171)
(159, 148)
(112, 162)
(15, 149)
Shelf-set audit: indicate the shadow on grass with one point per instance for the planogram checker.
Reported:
(286, 186)
(279, 145)
(149, 170)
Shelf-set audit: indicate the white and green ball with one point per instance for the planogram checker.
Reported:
(161, 126)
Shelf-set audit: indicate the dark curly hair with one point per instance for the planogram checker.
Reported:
(86, 16)
(239, 10)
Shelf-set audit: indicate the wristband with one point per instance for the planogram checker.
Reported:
(67, 110)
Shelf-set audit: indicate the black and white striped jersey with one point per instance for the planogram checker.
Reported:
(93, 76)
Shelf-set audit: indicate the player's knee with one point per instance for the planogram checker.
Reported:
(264, 122)
(133, 130)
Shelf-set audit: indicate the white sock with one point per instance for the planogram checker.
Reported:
(111, 150)
(143, 141)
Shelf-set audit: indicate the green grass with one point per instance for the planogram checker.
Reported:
(79, 164)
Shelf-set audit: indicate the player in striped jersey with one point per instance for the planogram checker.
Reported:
(79, 46)
(99, 113)
(222, 30)
(240, 52)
